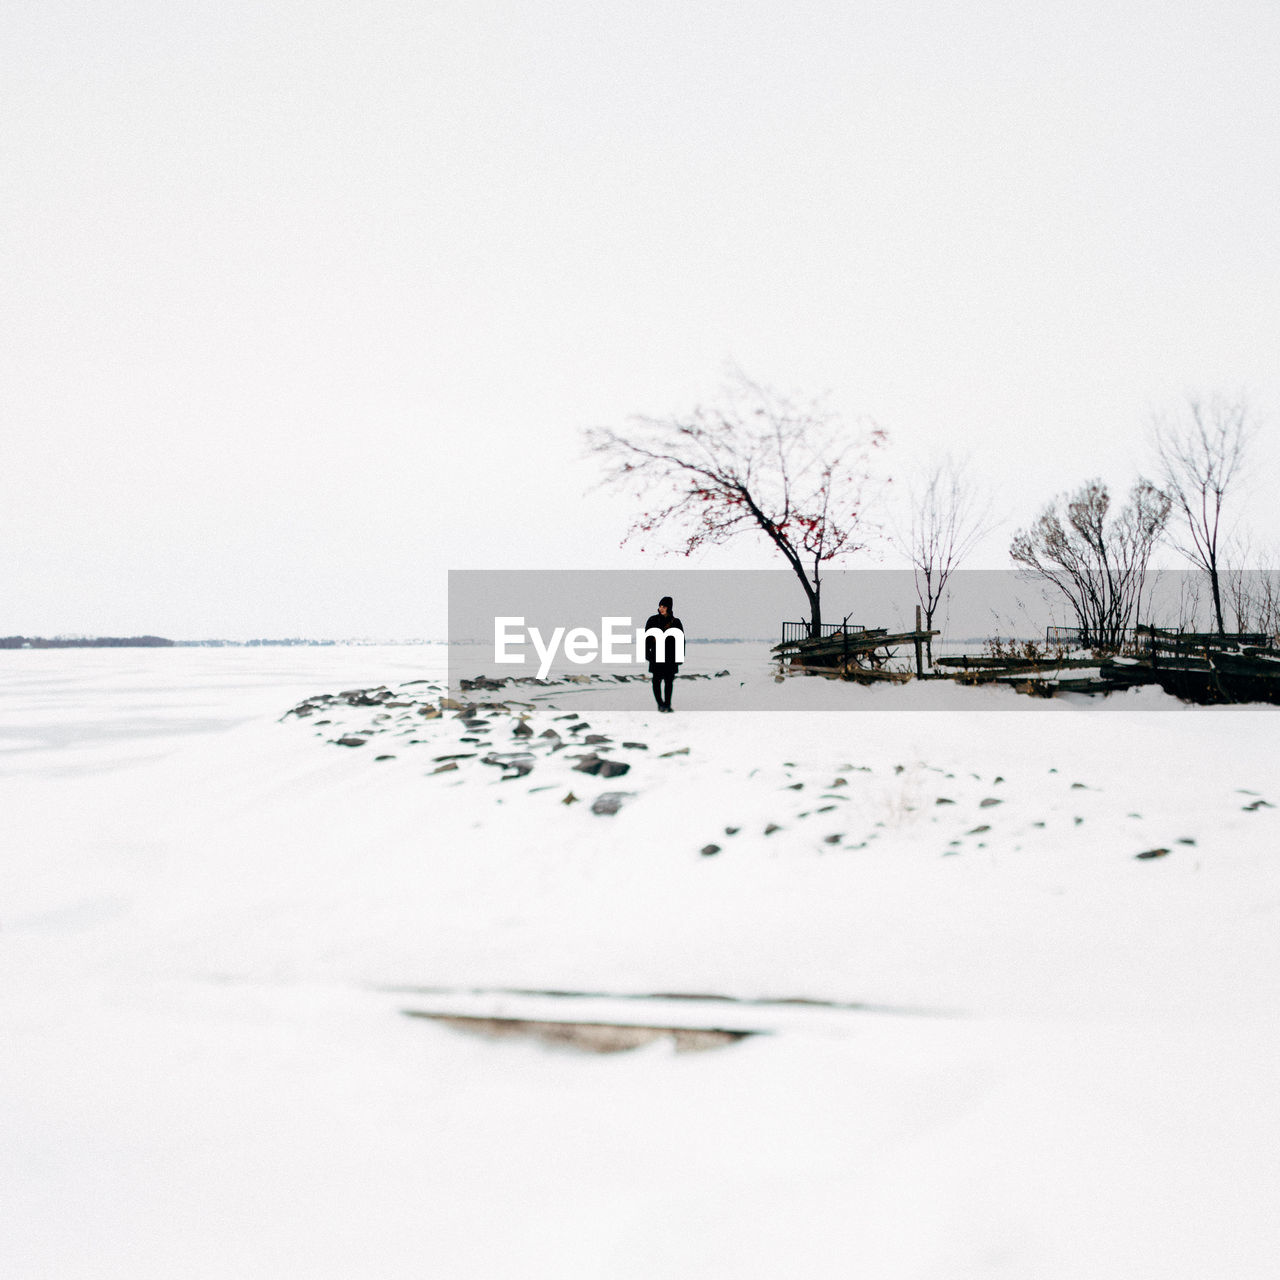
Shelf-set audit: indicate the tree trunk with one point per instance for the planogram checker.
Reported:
(815, 609)
(1217, 599)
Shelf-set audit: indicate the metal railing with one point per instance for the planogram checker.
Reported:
(1145, 638)
(794, 631)
(1190, 643)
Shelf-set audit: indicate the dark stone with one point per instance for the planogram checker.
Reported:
(445, 768)
(977, 831)
(771, 828)
(589, 764)
(549, 733)
(482, 682)
(351, 742)
(1151, 853)
(595, 739)
(522, 730)
(943, 800)
(732, 831)
(988, 802)
(518, 762)
(384, 757)
(833, 839)
(637, 746)
(365, 697)
(709, 850)
(608, 802)
(613, 768)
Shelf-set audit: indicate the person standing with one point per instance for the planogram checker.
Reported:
(662, 657)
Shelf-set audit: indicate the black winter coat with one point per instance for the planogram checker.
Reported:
(668, 623)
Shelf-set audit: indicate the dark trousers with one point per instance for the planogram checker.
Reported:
(663, 678)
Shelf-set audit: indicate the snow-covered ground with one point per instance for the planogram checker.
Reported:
(1031, 1053)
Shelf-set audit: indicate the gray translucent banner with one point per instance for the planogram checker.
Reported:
(573, 633)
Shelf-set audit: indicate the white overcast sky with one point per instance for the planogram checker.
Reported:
(306, 303)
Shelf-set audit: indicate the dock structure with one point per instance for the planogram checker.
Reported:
(851, 652)
(1196, 666)
(1201, 667)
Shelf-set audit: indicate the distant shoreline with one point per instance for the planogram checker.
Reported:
(85, 642)
(161, 642)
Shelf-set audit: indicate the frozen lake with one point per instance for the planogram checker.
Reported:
(72, 709)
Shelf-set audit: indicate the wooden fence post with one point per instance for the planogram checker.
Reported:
(919, 651)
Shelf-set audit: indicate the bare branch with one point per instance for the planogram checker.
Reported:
(1202, 454)
(1098, 565)
(948, 515)
(755, 460)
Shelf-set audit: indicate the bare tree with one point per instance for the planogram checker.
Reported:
(948, 514)
(1202, 453)
(1189, 601)
(753, 461)
(1253, 593)
(1100, 566)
